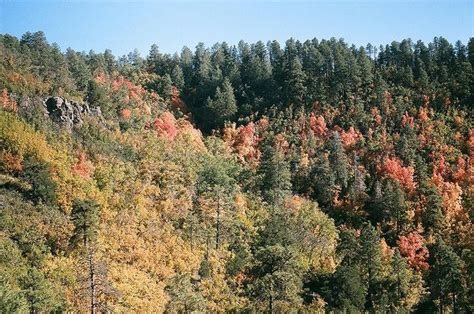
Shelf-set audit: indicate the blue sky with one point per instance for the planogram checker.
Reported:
(125, 25)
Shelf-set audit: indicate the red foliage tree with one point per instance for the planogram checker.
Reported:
(392, 167)
(10, 162)
(166, 125)
(126, 114)
(83, 167)
(318, 125)
(134, 92)
(6, 102)
(423, 115)
(412, 247)
(350, 137)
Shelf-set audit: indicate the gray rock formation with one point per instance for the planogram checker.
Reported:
(69, 113)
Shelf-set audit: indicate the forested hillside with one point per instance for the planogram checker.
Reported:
(306, 177)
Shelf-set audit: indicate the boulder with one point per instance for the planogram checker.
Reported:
(69, 113)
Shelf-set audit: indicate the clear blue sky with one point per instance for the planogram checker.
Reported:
(125, 25)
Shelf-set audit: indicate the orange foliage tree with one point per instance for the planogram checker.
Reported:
(412, 247)
(7, 103)
(392, 167)
(165, 125)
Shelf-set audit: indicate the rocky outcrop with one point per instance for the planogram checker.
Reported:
(69, 113)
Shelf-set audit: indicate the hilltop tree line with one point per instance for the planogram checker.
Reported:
(329, 178)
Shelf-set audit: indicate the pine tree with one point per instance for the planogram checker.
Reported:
(184, 295)
(446, 276)
(39, 292)
(216, 183)
(96, 97)
(222, 106)
(370, 258)
(275, 175)
(347, 286)
(338, 161)
(432, 217)
(166, 87)
(395, 208)
(323, 181)
(85, 217)
(349, 289)
(277, 277)
(294, 88)
(78, 69)
(399, 282)
(177, 76)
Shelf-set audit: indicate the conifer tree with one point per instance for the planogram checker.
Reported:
(446, 276)
(433, 214)
(370, 257)
(275, 175)
(323, 181)
(223, 105)
(399, 282)
(338, 161)
(85, 217)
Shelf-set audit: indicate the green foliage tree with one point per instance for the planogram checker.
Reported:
(370, 257)
(39, 175)
(85, 217)
(96, 96)
(274, 171)
(222, 106)
(338, 161)
(446, 276)
(433, 214)
(184, 294)
(399, 282)
(323, 181)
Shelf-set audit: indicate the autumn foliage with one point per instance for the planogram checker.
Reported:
(165, 126)
(392, 167)
(6, 102)
(412, 247)
(83, 167)
(318, 125)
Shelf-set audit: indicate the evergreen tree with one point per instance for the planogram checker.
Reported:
(39, 293)
(399, 283)
(351, 293)
(347, 286)
(433, 214)
(338, 161)
(78, 68)
(40, 177)
(96, 97)
(222, 106)
(177, 76)
(275, 175)
(370, 257)
(446, 276)
(184, 295)
(395, 209)
(216, 183)
(85, 217)
(276, 280)
(166, 87)
(323, 181)
(294, 88)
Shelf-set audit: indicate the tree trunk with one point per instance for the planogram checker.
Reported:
(454, 302)
(92, 284)
(218, 223)
(191, 242)
(270, 304)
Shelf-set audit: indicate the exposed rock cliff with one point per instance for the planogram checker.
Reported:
(69, 113)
